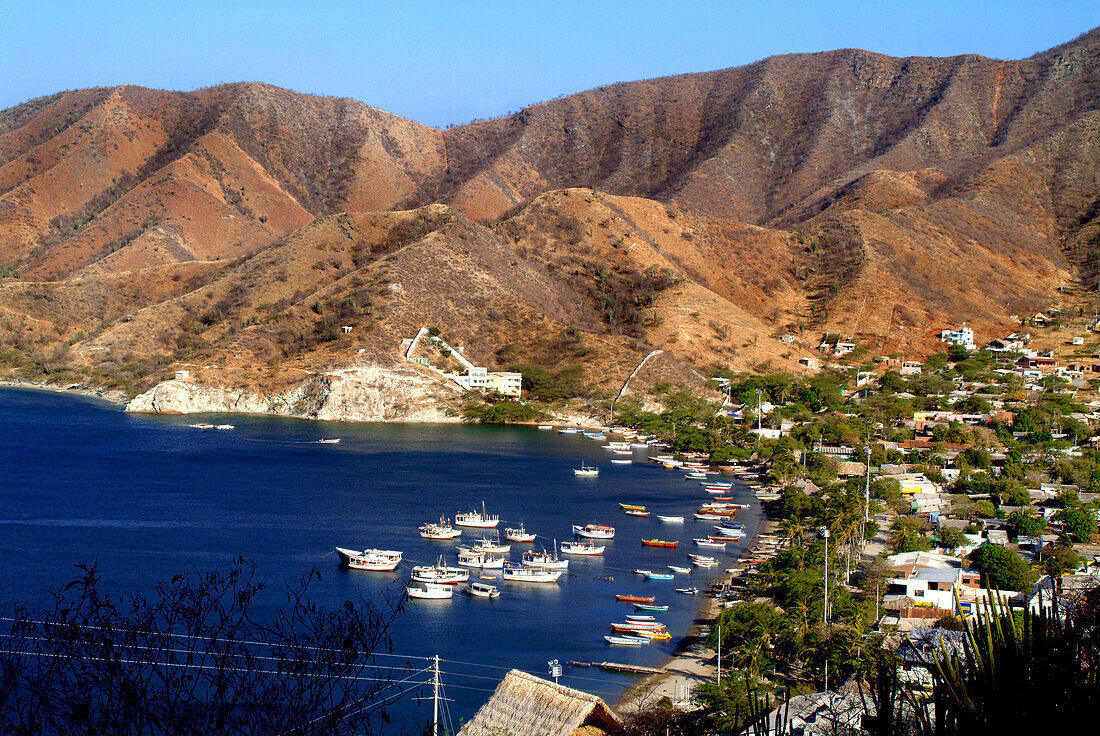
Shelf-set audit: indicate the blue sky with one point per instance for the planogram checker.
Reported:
(450, 62)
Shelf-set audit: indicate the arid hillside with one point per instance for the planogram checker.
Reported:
(236, 229)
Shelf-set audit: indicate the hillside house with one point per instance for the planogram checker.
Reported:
(911, 368)
(963, 336)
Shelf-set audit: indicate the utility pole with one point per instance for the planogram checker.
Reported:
(867, 491)
(758, 411)
(825, 606)
(435, 698)
(719, 654)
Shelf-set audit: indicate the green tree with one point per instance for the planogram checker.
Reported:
(1025, 524)
(1001, 567)
(907, 535)
(950, 538)
(1078, 523)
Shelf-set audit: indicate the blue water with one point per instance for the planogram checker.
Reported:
(148, 497)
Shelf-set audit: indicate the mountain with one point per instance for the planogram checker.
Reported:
(704, 215)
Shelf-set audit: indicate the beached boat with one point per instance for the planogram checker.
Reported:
(642, 514)
(430, 591)
(383, 560)
(681, 570)
(628, 627)
(594, 531)
(481, 560)
(659, 543)
(569, 430)
(639, 445)
(671, 464)
(481, 590)
(768, 497)
(525, 574)
(671, 519)
(633, 641)
(702, 558)
(704, 563)
(636, 598)
(710, 543)
(543, 559)
(442, 530)
(649, 607)
(477, 519)
(630, 507)
(440, 573)
(660, 576)
(587, 471)
(518, 534)
(688, 591)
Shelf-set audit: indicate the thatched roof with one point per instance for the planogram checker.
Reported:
(525, 705)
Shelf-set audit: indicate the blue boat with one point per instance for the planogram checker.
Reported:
(660, 576)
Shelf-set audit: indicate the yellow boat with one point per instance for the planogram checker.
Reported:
(628, 507)
(654, 635)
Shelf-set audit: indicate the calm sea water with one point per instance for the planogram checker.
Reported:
(149, 497)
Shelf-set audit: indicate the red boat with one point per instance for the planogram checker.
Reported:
(635, 598)
(659, 543)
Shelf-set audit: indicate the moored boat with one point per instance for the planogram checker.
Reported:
(681, 570)
(430, 591)
(671, 519)
(526, 574)
(545, 427)
(481, 590)
(660, 576)
(569, 430)
(636, 598)
(631, 507)
(477, 520)
(688, 591)
(519, 534)
(710, 543)
(594, 531)
(634, 641)
(442, 530)
(382, 560)
(649, 607)
(581, 548)
(659, 543)
(440, 573)
(481, 560)
(543, 559)
(620, 461)
(586, 471)
(491, 546)
(642, 514)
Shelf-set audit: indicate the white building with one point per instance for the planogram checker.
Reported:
(959, 336)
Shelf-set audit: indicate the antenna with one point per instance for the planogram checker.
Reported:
(435, 697)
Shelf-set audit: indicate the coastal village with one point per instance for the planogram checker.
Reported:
(923, 495)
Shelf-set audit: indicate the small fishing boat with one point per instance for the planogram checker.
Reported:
(586, 471)
(632, 626)
(333, 441)
(642, 514)
(545, 427)
(481, 560)
(481, 590)
(716, 486)
(688, 591)
(491, 546)
(767, 496)
(636, 598)
(630, 507)
(581, 548)
(653, 635)
(671, 464)
(617, 446)
(659, 543)
(525, 574)
(671, 519)
(477, 520)
(442, 530)
(660, 576)
(710, 543)
(696, 475)
(700, 557)
(638, 571)
(224, 426)
(710, 516)
(430, 591)
(201, 425)
(440, 573)
(594, 531)
(620, 461)
(649, 607)
(702, 563)
(518, 535)
(381, 560)
(639, 445)
(681, 570)
(543, 559)
(633, 641)
(569, 430)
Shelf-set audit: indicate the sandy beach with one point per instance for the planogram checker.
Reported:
(694, 662)
(108, 395)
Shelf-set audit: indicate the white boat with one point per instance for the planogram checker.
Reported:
(527, 574)
(334, 441)
(638, 445)
(569, 430)
(709, 543)
(688, 591)
(681, 570)
(586, 470)
(594, 531)
(581, 548)
(704, 563)
(633, 641)
(201, 425)
(702, 558)
(370, 559)
(442, 530)
(617, 446)
(440, 573)
(492, 546)
(430, 591)
(224, 426)
(671, 519)
(619, 461)
(545, 427)
(544, 559)
(481, 590)
(478, 520)
(481, 560)
(518, 535)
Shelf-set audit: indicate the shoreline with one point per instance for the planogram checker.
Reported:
(111, 396)
(692, 662)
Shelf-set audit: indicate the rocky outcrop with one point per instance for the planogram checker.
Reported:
(362, 394)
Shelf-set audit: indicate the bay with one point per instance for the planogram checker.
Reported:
(147, 497)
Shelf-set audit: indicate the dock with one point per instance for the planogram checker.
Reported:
(629, 669)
